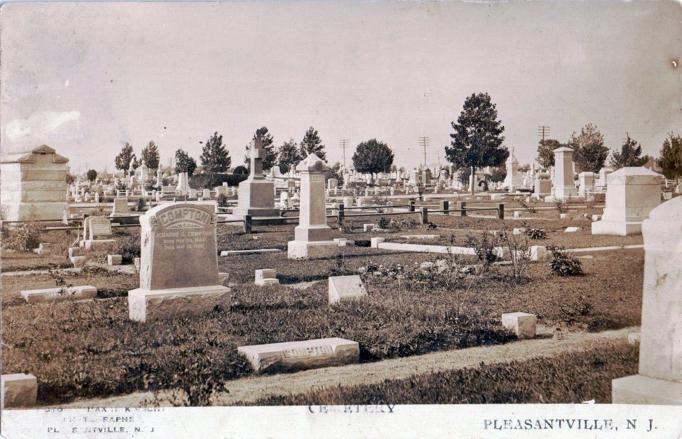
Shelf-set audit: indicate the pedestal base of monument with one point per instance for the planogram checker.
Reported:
(145, 305)
(618, 228)
(640, 389)
(99, 245)
(23, 211)
(255, 212)
(311, 249)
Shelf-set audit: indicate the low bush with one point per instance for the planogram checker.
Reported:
(129, 248)
(566, 378)
(484, 246)
(25, 237)
(536, 233)
(383, 222)
(564, 264)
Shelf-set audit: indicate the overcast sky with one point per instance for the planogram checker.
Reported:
(85, 78)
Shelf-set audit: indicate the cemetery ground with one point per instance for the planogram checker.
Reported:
(90, 349)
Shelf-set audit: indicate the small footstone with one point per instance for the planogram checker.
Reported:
(343, 288)
(19, 390)
(367, 227)
(634, 337)
(297, 355)
(114, 259)
(79, 261)
(266, 276)
(521, 323)
(571, 229)
(374, 242)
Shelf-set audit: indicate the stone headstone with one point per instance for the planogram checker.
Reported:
(520, 323)
(632, 192)
(586, 183)
(120, 207)
(256, 194)
(266, 276)
(297, 355)
(98, 227)
(660, 353)
(563, 185)
(312, 236)
(179, 264)
(342, 288)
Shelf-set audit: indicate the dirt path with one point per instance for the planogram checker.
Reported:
(253, 388)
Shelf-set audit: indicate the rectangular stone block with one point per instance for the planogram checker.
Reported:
(367, 227)
(114, 259)
(374, 242)
(57, 294)
(100, 245)
(571, 229)
(308, 250)
(266, 276)
(298, 355)
(640, 389)
(342, 288)
(19, 390)
(79, 261)
(146, 305)
(521, 323)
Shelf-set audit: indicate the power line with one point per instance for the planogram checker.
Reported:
(344, 143)
(424, 142)
(543, 132)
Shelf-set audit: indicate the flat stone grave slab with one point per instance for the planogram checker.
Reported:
(57, 294)
(19, 390)
(420, 236)
(249, 252)
(298, 355)
(343, 288)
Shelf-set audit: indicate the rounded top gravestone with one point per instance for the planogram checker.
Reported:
(178, 246)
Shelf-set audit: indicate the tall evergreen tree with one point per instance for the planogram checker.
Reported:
(546, 152)
(123, 159)
(630, 155)
(477, 138)
(184, 163)
(268, 147)
(670, 159)
(312, 144)
(214, 156)
(150, 155)
(288, 156)
(589, 152)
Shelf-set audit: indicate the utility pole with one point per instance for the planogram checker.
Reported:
(424, 142)
(344, 143)
(543, 132)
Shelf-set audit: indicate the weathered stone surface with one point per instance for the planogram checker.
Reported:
(367, 227)
(249, 252)
(660, 353)
(521, 323)
(312, 236)
(344, 242)
(572, 229)
(145, 305)
(266, 276)
(374, 242)
(299, 355)
(342, 288)
(114, 259)
(256, 195)
(178, 260)
(79, 261)
(563, 185)
(33, 185)
(120, 207)
(57, 294)
(100, 245)
(19, 390)
(631, 194)
(95, 227)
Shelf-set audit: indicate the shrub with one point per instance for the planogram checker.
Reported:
(484, 247)
(536, 233)
(519, 253)
(529, 207)
(129, 248)
(140, 204)
(561, 206)
(26, 237)
(383, 222)
(564, 264)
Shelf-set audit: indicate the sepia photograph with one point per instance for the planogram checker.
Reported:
(316, 218)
